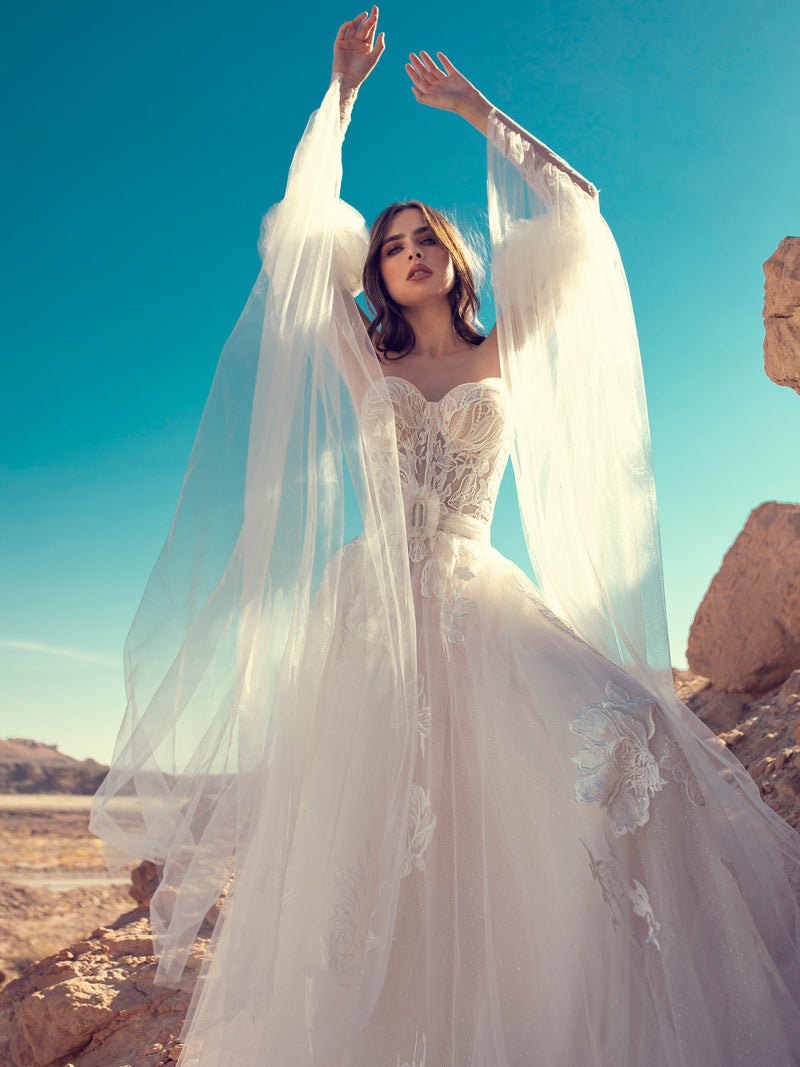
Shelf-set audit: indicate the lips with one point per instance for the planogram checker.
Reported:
(418, 271)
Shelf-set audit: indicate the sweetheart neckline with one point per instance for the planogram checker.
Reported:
(460, 385)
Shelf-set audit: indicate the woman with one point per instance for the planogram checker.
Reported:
(462, 827)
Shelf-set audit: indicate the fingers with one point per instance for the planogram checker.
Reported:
(416, 84)
(425, 72)
(348, 29)
(449, 67)
(429, 63)
(361, 28)
(366, 31)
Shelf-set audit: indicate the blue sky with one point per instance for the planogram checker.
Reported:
(144, 143)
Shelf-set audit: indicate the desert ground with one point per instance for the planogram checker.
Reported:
(54, 884)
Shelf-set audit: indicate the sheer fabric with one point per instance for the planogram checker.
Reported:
(220, 692)
(465, 819)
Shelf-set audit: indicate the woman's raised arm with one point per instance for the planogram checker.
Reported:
(355, 53)
(448, 89)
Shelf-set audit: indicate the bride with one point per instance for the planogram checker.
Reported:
(461, 818)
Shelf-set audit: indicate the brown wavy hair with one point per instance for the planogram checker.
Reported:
(390, 331)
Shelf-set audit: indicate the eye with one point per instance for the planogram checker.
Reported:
(428, 241)
(395, 248)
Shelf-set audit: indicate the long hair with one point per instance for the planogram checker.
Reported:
(390, 333)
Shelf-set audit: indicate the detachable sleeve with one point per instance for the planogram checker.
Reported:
(570, 355)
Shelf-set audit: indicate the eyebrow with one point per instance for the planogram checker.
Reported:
(400, 236)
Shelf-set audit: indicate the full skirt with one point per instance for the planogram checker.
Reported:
(543, 865)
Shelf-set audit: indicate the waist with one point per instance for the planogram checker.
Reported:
(426, 515)
(451, 522)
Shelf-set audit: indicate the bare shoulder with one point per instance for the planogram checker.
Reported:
(488, 353)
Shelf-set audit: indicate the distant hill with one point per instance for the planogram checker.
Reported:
(31, 767)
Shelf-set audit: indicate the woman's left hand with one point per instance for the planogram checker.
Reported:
(355, 50)
(445, 88)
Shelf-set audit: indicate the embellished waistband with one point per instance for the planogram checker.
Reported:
(463, 526)
(425, 515)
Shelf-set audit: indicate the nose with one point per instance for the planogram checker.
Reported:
(412, 254)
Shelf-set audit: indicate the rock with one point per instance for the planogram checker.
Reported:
(95, 1004)
(731, 737)
(35, 922)
(745, 636)
(719, 711)
(789, 695)
(688, 685)
(782, 314)
(144, 882)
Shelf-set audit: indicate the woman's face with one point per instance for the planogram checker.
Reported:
(415, 268)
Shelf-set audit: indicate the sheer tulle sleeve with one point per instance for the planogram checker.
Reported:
(224, 660)
(570, 355)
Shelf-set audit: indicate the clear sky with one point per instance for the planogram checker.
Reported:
(143, 143)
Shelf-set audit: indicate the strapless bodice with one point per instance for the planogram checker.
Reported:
(452, 453)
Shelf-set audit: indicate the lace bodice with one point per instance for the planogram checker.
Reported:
(452, 454)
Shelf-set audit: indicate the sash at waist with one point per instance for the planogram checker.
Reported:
(463, 526)
(425, 514)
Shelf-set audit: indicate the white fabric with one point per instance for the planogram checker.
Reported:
(460, 833)
(582, 451)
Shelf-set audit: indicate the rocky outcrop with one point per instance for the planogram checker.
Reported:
(782, 314)
(36, 921)
(719, 711)
(745, 636)
(95, 1004)
(765, 737)
(31, 767)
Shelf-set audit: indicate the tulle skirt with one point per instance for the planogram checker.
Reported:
(540, 864)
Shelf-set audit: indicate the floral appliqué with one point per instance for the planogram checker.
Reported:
(675, 763)
(616, 768)
(348, 929)
(623, 898)
(423, 714)
(452, 611)
(421, 824)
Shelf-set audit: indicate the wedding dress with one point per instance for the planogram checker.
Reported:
(462, 818)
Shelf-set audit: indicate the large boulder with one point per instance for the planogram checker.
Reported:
(95, 1004)
(782, 314)
(746, 634)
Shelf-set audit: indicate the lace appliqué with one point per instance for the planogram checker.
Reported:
(619, 766)
(441, 580)
(452, 612)
(625, 900)
(349, 935)
(362, 626)
(423, 714)
(675, 763)
(421, 824)
(616, 768)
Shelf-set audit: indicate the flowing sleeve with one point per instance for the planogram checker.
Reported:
(225, 658)
(570, 355)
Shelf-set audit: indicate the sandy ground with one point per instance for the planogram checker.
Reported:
(54, 886)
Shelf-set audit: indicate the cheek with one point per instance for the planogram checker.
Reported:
(388, 275)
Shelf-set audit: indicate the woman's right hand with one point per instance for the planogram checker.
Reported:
(355, 50)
